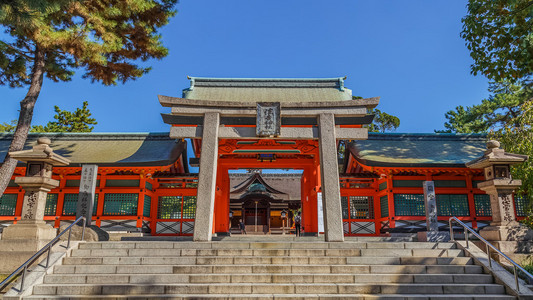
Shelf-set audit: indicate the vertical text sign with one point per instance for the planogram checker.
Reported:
(268, 120)
(320, 210)
(431, 206)
(86, 195)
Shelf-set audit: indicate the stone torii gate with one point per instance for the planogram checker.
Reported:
(211, 121)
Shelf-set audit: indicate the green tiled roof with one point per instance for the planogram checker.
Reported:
(268, 89)
(418, 150)
(108, 149)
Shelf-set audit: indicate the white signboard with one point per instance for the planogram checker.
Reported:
(87, 190)
(320, 211)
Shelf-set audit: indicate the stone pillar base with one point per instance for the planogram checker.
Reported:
(433, 236)
(20, 241)
(29, 230)
(513, 232)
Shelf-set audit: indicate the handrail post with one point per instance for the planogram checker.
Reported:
(69, 232)
(83, 230)
(48, 257)
(452, 238)
(488, 255)
(466, 236)
(516, 279)
(23, 277)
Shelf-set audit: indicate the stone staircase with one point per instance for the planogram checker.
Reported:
(268, 270)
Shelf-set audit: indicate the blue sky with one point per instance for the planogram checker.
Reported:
(409, 52)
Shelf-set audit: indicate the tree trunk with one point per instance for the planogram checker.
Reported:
(24, 121)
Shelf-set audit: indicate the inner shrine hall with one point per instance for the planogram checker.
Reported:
(241, 133)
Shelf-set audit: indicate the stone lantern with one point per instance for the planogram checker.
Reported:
(500, 185)
(31, 232)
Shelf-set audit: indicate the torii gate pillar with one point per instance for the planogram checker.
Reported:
(207, 176)
(329, 172)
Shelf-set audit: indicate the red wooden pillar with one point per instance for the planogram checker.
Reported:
(60, 201)
(390, 198)
(221, 217)
(471, 203)
(310, 188)
(140, 201)
(154, 206)
(101, 196)
(377, 207)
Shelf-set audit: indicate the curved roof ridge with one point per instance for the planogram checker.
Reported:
(265, 79)
(426, 136)
(92, 135)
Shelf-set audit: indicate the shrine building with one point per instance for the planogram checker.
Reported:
(374, 186)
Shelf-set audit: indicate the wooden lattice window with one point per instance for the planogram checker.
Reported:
(51, 205)
(521, 204)
(409, 205)
(169, 207)
(384, 204)
(452, 205)
(482, 205)
(8, 204)
(189, 207)
(70, 204)
(358, 207)
(120, 204)
(147, 205)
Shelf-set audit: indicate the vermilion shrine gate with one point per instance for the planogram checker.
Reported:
(144, 183)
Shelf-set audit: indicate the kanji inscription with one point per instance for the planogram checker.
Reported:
(431, 206)
(506, 205)
(268, 120)
(31, 204)
(89, 174)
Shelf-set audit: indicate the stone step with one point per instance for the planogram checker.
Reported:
(266, 253)
(409, 260)
(266, 278)
(288, 297)
(257, 260)
(265, 245)
(268, 268)
(212, 252)
(268, 288)
(412, 252)
(325, 269)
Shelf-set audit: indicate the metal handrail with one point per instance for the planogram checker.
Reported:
(489, 246)
(47, 248)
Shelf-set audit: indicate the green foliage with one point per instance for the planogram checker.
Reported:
(517, 137)
(499, 35)
(528, 221)
(66, 121)
(8, 127)
(528, 265)
(501, 109)
(507, 116)
(104, 37)
(383, 122)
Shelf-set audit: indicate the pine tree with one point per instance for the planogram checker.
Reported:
(66, 121)
(53, 38)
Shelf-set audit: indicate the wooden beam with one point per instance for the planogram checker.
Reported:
(251, 120)
(167, 101)
(292, 133)
(350, 111)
